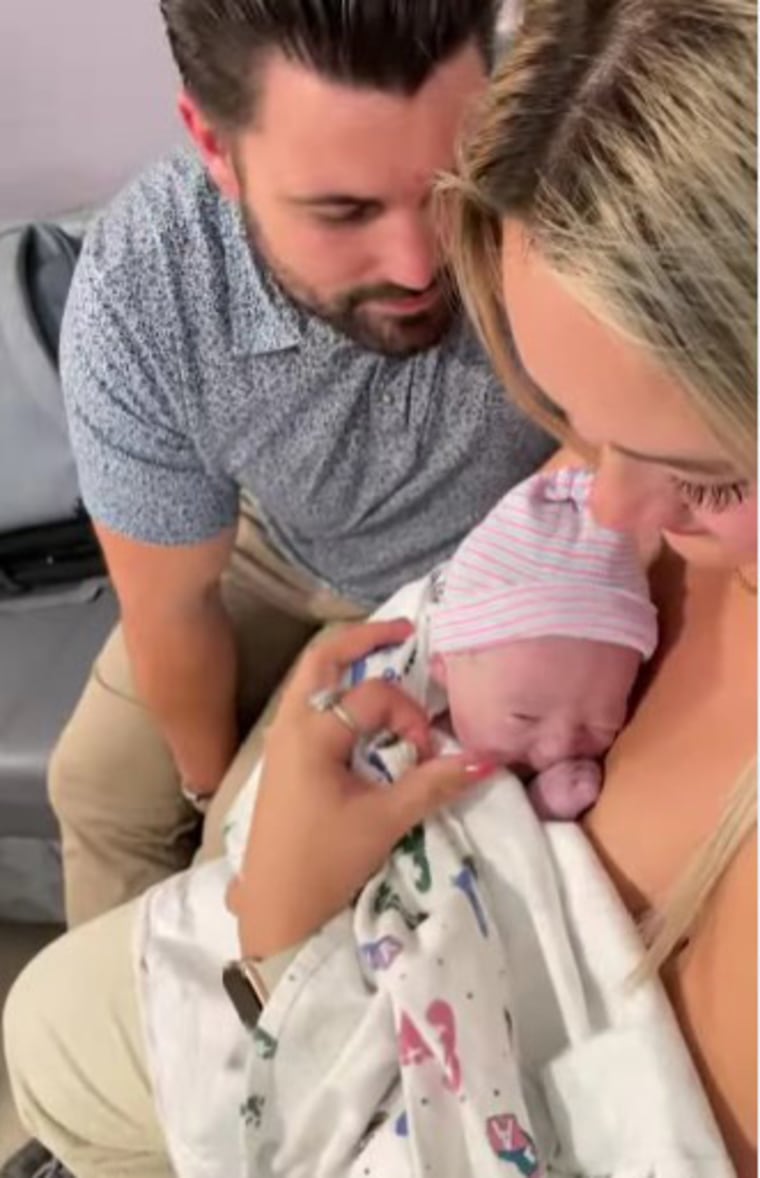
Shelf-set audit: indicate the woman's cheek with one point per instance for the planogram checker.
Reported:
(735, 529)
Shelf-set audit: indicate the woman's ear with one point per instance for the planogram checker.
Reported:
(438, 670)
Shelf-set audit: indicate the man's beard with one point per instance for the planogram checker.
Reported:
(348, 313)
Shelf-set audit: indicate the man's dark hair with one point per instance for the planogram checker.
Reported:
(390, 45)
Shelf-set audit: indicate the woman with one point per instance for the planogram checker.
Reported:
(607, 195)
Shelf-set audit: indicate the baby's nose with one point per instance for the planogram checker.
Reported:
(558, 743)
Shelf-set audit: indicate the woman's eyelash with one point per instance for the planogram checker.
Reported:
(715, 498)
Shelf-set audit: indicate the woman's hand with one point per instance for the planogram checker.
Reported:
(320, 832)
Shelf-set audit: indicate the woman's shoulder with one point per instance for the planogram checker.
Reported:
(713, 987)
(669, 780)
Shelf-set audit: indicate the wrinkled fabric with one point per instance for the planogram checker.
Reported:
(470, 1016)
(473, 1016)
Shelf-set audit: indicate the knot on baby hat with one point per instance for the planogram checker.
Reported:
(540, 565)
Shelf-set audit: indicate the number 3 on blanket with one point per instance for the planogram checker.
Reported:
(414, 1050)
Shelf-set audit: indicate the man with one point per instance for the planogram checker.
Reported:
(278, 412)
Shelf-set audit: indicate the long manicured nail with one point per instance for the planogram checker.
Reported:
(481, 769)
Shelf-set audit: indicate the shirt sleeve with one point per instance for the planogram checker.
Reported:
(140, 472)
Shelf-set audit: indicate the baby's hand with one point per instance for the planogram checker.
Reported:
(566, 790)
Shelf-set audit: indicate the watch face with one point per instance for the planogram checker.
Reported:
(242, 995)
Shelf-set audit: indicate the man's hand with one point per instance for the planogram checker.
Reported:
(181, 646)
(319, 832)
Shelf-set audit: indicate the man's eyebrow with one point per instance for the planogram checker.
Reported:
(707, 466)
(335, 199)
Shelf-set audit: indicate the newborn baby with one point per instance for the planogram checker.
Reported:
(543, 623)
(529, 641)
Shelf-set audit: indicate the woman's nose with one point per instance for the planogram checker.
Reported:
(629, 497)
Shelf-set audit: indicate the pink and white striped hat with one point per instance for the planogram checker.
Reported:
(540, 565)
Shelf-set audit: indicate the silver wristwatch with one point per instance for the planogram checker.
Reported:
(245, 990)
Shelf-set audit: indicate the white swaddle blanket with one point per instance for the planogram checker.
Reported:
(470, 1017)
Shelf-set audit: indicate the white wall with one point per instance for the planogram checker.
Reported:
(87, 92)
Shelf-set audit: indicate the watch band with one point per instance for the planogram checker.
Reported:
(245, 991)
(250, 981)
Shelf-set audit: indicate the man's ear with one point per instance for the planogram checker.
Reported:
(438, 670)
(215, 148)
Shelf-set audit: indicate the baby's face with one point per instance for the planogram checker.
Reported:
(537, 701)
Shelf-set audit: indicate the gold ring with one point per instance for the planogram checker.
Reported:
(330, 700)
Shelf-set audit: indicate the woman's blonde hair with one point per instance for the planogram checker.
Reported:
(667, 931)
(621, 134)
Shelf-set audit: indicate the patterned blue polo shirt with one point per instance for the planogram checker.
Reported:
(189, 375)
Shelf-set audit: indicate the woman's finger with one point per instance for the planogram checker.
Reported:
(374, 706)
(427, 789)
(327, 660)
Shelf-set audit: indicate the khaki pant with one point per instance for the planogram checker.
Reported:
(73, 1033)
(113, 783)
(76, 1054)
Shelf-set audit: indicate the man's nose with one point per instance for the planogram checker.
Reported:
(409, 253)
(628, 497)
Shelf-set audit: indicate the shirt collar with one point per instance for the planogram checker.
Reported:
(263, 321)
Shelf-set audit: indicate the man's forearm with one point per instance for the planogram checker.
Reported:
(186, 669)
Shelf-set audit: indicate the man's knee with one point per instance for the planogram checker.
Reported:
(114, 788)
(101, 738)
(79, 774)
(111, 764)
(61, 777)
